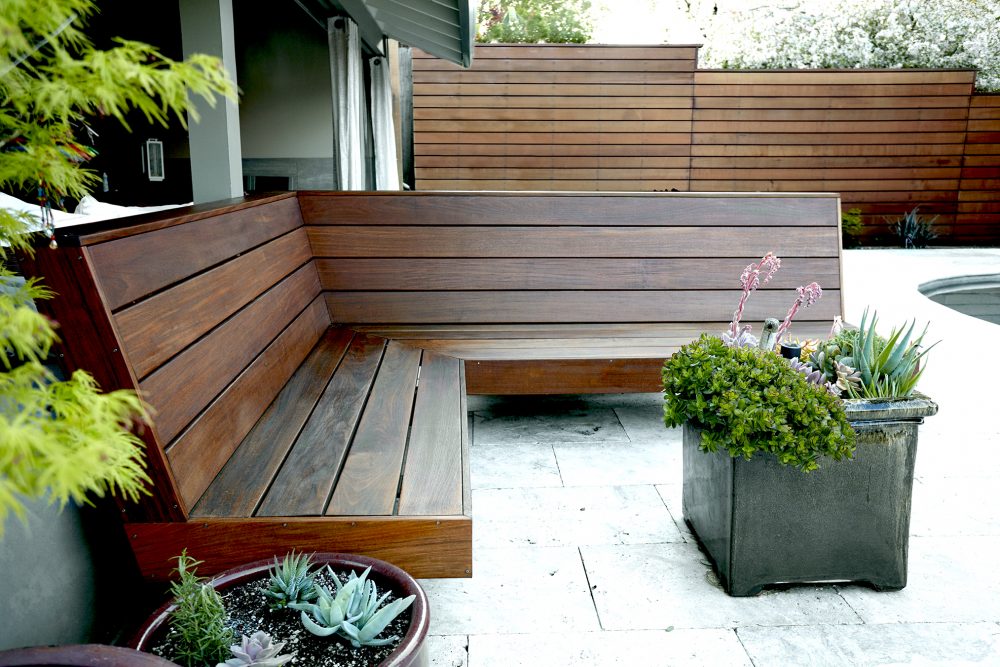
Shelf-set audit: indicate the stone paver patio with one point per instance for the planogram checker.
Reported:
(581, 555)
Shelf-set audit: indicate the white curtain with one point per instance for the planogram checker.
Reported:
(383, 130)
(349, 134)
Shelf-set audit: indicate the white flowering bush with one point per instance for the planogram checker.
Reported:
(860, 34)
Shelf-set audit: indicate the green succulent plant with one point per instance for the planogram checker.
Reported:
(256, 651)
(290, 581)
(198, 619)
(352, 612)
(888, 368)
(752, 402)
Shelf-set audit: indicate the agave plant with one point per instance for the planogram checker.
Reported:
(256, 651)
(888, 369)
(913, 229)
(353, 612)
(291, 581)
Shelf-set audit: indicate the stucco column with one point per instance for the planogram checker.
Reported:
(216, 157)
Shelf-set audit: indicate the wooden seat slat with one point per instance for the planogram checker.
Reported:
(369, 480)
(303, 485)
(203, 448)
(432, 475)
(243, 481)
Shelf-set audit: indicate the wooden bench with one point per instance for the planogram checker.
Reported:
(307, 356)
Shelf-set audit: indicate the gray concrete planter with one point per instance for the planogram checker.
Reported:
(764, 523)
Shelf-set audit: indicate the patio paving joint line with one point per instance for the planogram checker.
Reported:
(590, 588)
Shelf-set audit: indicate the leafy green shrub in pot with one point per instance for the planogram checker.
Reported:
(748, 401)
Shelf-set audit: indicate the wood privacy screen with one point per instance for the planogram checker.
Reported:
(559, 117)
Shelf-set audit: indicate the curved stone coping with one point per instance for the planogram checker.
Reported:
(953, 284)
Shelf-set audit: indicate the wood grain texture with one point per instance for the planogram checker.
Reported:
(580, 242)
(116, 228)
(565, 306)
(159, 327)
(426, 547)
(306, 480)
(590, 209)
(243, 481)
(369, 480)
(432, 475)
(182, 388)
(411, 274)
(572, 376)
(132, 267)
(90, 343)
(197, 455)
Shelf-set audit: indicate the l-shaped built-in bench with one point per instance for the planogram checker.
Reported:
(307, 355)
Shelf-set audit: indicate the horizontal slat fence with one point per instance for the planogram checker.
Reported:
(555, 117)
(979, 191)
(625, 118)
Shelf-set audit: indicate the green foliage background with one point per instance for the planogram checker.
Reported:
(65, 439)
(533, 21)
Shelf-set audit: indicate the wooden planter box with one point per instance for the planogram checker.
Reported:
(764, 523)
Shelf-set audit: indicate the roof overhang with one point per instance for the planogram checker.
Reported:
(442, 28)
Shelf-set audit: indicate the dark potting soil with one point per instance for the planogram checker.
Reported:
(247, 612)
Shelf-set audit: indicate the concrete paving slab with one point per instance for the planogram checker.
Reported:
(954, 506)
(514, 466)
(644, 423)
(546, 420)
(951, 580)
(638, 462)
(655, 586)
(869, 645)
(672, 496)
(448, 650)
(528, 587)
(679, 648)
(570, 516)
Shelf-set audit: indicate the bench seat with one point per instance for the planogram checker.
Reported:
(562, 359)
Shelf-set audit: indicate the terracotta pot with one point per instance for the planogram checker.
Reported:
(412, 650)
(89, 655)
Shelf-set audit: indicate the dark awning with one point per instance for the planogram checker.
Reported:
(443, 28)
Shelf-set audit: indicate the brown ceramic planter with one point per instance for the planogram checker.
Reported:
(81, 655)
(412, 650)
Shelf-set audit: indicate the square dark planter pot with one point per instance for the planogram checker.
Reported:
(764, 523)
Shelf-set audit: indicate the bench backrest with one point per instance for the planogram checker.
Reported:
(210, 314)
(554, 258)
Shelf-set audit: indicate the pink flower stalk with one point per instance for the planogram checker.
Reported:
(749, 281)
(808, 295)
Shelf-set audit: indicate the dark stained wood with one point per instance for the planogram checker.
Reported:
(90, 343)
(565, 306)
(426, 547)
(204, 447)
(306, 479)
(573, 376)
(631, 242)
(370, 478)
(159, 327)
(132, 267)
(591, 209)
(180, 389)
(115, 228)
(533, 274)
(243, 481)
(432, 475)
